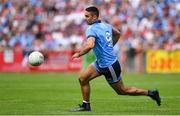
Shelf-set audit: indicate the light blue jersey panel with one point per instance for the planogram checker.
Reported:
(103, 47)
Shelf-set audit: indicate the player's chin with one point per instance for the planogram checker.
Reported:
(89, 23)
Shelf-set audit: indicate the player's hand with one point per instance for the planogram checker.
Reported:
(76, 55)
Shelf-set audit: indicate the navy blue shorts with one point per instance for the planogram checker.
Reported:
(112, 73)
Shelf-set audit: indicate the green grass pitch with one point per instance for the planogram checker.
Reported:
(56, 93)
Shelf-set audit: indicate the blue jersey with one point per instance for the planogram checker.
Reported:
(103, 48)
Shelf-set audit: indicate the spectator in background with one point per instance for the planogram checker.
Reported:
(150, 24)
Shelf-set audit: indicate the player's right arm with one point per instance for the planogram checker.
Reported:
(88, 44)
(86, 47)
(115, 35)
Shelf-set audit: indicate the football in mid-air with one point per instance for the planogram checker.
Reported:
(36, 58)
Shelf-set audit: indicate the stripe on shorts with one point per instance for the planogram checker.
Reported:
(113, 74)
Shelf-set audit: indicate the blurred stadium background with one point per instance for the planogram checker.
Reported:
(150, 33)
(150, 43)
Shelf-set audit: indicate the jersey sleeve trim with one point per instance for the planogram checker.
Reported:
(91, 36)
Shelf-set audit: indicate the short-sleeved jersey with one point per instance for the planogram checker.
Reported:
(103, 48)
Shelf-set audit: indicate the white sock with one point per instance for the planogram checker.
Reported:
(85, 101)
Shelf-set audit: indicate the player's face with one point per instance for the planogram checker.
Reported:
(89, 17)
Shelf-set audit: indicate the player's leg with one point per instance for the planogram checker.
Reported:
(86, 76)
(113, 77)
(123, 90)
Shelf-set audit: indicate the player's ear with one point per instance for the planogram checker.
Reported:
(95, 17)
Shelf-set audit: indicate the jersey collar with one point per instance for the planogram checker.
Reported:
(96, 21)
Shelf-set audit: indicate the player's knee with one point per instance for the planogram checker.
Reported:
(121, 92)
(81, 81)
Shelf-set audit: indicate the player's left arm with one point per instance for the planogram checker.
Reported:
(86, 47)
(116, 34)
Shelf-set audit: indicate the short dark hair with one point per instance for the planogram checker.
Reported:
(93, 10)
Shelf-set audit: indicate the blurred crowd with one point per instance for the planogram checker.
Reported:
(59, 25)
